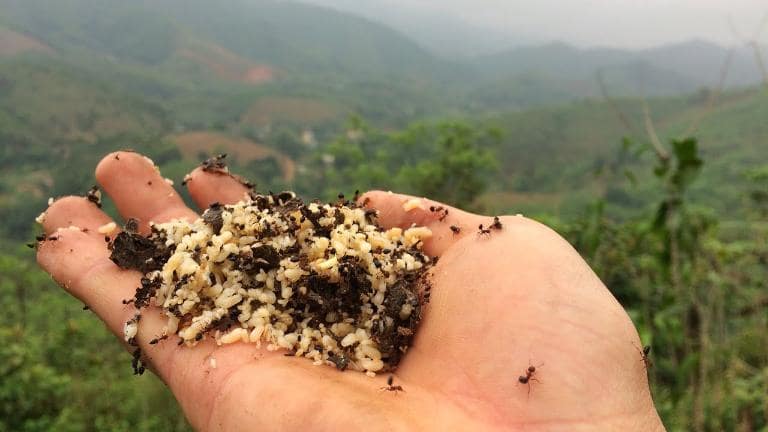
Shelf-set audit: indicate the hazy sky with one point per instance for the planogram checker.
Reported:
(625, 23)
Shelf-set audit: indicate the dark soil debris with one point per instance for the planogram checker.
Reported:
(137, 363)
(213, 217)
(132, 225)
(216, 164)
(146, 291)
(131, 250)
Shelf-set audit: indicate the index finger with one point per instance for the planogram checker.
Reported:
(448, 224)
(139, 191)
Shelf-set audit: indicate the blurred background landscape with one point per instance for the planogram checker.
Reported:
(650, 155)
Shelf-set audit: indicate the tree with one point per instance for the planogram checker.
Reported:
(448, 161)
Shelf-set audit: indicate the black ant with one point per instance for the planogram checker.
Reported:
(496, 223)
(426, 295)
(455, 229)
(391, 387)
(528, 377)
(158, 339)
(481, 230)
(439, 209)
(644, 353)
(371, 215)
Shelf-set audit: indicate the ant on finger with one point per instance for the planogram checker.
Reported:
(496, 223)
(390, 387)
(442, 211)
(644, 353)
(158, 339)
(455, 229)
(426, 294)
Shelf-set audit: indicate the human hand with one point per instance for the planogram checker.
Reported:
(517, 297)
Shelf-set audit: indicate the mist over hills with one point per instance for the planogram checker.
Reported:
(442, 33)
(267, 41)
(696, 62)
(502, 55)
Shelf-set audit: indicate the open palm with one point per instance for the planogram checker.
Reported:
(517, 297)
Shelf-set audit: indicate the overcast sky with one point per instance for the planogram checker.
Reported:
(622, 23)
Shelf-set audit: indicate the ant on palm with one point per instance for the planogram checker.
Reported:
(528, 377)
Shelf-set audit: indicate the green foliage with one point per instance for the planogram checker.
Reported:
(459, 168)
(61, 370)
(448, 161)
(758, 193)
(698, 299)
(32, 394)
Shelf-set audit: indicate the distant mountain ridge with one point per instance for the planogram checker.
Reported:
(683, 66)
(314, 49)
(442, 33)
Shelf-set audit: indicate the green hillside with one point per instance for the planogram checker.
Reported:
(54, 110)
(559, 151)
(285, 36)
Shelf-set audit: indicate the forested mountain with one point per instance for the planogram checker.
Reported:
(263, 41)
(279, 35)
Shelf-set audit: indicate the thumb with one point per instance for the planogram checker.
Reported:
(448, 224)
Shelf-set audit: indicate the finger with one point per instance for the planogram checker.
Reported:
(398, 210)
(138, 189)
(207, 188)
(80, 264)
(75, 211)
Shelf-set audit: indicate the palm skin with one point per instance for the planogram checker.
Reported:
(500, 303)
